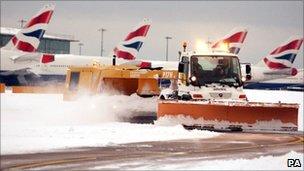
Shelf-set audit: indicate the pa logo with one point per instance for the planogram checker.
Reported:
(293, 163)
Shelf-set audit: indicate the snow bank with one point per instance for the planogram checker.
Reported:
(41, 122)
(24, 138)
(261, 163)
(34, 122)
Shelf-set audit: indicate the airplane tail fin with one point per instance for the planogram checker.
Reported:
(235, 40)
(284, 55)
(28, 38)
(131, 45)
(281, 58)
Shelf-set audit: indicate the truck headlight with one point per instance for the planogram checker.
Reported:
(244, 79)
(193, 78)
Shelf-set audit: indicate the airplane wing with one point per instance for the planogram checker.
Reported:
(137, 63)
(21, 74)
(36, 57)
(28, 57)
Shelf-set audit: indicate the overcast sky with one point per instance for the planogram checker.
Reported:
(269, 23)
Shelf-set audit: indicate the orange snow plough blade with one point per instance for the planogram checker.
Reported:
(231, 115)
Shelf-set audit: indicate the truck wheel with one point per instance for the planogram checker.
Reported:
(186, 97)
(162, 97)
(235, 128)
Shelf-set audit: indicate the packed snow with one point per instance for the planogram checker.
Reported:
(25, 138)
(41, 122)
(261, 163)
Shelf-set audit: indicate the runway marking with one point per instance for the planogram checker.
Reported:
(297, 139)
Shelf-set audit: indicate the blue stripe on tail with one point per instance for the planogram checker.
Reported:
(37, 33)
(290, 57)
(135, 45)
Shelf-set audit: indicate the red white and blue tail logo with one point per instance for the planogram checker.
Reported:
(129, 48)
(235, 40)
(28, 38)
(283, 56)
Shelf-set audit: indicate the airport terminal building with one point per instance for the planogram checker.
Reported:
(50, 43)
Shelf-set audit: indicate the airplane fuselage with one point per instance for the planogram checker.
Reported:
(259, 74)
(63, 61)
(288, 83)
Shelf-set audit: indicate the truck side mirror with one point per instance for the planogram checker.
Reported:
(181, 67)
(248, 72)
(248, 69)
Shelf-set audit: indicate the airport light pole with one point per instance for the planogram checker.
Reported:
(80, 44)
(101, 30)
(167, 46)
(22, 21)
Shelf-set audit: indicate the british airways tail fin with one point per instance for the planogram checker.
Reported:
(235, 40)
(129, 48)
(282, 57)
(28, 38)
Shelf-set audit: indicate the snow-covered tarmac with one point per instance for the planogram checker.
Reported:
(260, 163)
(42, 122)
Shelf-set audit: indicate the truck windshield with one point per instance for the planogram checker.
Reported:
(215, 69)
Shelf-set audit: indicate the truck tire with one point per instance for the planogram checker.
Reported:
(162, 97)
(186, 97)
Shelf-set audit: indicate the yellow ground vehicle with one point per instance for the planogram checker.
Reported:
(123, 79)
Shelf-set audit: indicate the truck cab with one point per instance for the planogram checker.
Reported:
(210, 75)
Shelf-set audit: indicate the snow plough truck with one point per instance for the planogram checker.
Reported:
(211, 97)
